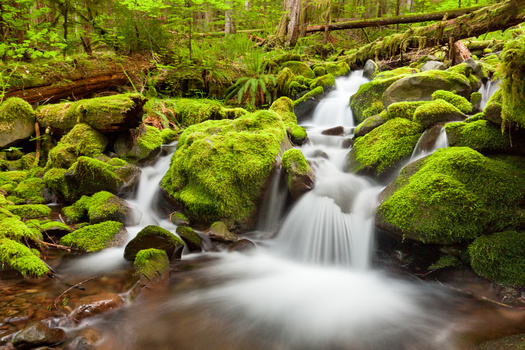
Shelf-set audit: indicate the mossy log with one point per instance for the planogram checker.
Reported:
(491, 18)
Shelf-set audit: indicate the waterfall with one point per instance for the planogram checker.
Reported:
(423, 149)
(487, 90)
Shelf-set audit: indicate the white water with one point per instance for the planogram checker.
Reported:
(487, 90)
(419, 152)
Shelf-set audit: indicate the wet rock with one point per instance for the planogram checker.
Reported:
(347, 143)
(432, 65)
(152, 265)
(38, 334)
(96, 304)
(298, 135)
(243, 245)
(335, 131)
(142, 145)
(300, 177)
(179, 219)
(428, 139)
(480, 135)
(493, 108)
(17, 121)
(370, 70)
(437, 111)
(86, 340)
(190, 238)
(370, 124)
(219, 232)
(154, 237)
(105, 206)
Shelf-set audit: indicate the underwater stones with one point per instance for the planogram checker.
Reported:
(154, 237)
(370, 70)
(38, 334)
(300, 177)
(383, 148)
(105, 114)
(219, 232)
(191, 238)
(480, 135)
(437, 111)
(432, 65)
(448, 197)
(142, 144)
(499, 257)
(152, 266)
(220, 168)
(96, 304)
(96, 237)
(421, 86)
(17, 121)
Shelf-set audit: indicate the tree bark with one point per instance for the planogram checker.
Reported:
(288, 29)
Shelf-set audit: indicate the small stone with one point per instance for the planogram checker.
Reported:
(96, 304)
(219, 232)
(38, 334)
(335, 131)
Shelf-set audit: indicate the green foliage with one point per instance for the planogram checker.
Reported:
(93, 238)
(253, 90)
(512, 71)
(21, 258)
(444, 262)
(13, 228)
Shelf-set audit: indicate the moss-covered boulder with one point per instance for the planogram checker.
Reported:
(186, 111)
(401, 71)
(179, 219)
(152, 265)
(219, 232)
(19, 257)
(383, 148)
(370, 69)
(17, 121)
(457, 101)
(191, 238)
(298, 135)
(284, 107)
(368, 100)
(500, 257)
(104, 206)
(284, 79)
(141, 145)
(93, 238)
(220, 168)
(481, 135)
(30, 211)
(404, 109)
(449, 197)
(49, 227)
(154, 237)
(305, 105)
(421, 86)
(370, 124)
(326, 81)
(299, 68)
(105, 114)
(337, 68)
(492, 110)
(471, 70)
(437, 111)
(300, 177)
(31, 191)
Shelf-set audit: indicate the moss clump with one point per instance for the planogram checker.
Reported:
(298, 135)
(152, 263)
(30, 211)
(403, 109)
(499, 257)
(48, 225)
(220, 167)
(293, 161)
(106, 206)
(368, 100)
(324, 81)
(299, 68)
(169, 135)
(475, 99)
(284, 79)
(317, 91)
(186, 111)
(512, 71)
(78, 211)
(318, 71)
(14, 108)
(481, 135)
(188, 235)
(153, 236)
(444, 262)
(179, 219)
(468, 72)
(284, 107)
(397, 72)
(337, 69)
(148, 143)
(87, 141)
(93, 238)
(457, 101)
(21, 258)
(13, 228)
(384, 147)
(435, 112)
(448, 197)
(54, 179)
(30, 190)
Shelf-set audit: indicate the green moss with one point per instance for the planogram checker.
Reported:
(384, 147)
(30, 190)
(62, 155)
(152, 263)
(13, 177)
(188, 234)
(220, 167)
(436, 111)
(512, 70)
(467, 71)
(169, 135)
(293, 160)
(403, 71)
(324, 81)
(219, 231)
(284, 79)
(179, 219)
(317, 91)
(47, 225)
(499, 257)
(93, 238)
(444, 262)
(337, 69)
(368, 100)
(148, 142)
(12, 109)
(318, 71)
(298, 135)
(448, 197)
(21, 258)
(30, 211)
(370, 124)
(284, 107)
(403, 109)
(490, 63)
(475, 98)
(457, 101)
(87, 141)
(13, 228)
(78, 211)
(54, 179)
(299, 68)
(188, 111)
(480, 135)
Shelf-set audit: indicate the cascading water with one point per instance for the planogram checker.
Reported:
(487, 90)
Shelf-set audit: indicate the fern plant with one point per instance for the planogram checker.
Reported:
(255, 89)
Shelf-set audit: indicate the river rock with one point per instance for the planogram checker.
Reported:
(17, 121)
(300, 177)
(219, 232)
(154, 237)
(243, 246)
(421, 86)
(96, 304)
(105, 206)
(437, 111)
(191, 238)
(152, 265)
(141, 145)
(335, 131)
(370, 70)
(86, 340)
(492, 110)
(179, 219)
(432, 65)
(370, 124)
(38, 334)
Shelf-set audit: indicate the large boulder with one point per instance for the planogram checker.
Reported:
(141, 145)
(220, 168)
(421, 86)
(300, 177)
(513, 82)
(370, 70)
(105, 114)
(437, 111)
(480, 135)
(93, 238)
(154, 237)
(17, 121)
(382, 149)
(448, 197)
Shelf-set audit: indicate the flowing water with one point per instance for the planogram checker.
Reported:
(487, 90)
(311, 287)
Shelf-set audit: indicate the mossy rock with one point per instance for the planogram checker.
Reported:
(299, 68)
(19, 257)
(96, 237)
(220, 168)
(31, 190)
(368, 100)
(305, 105)
(401, 71)
(17, 121)
(319, 71)
(437, 111)
(449, 197)
(87, 141)
(169, 135)
(285, 108)
(421, 86)
(513, 83)
(179, 219)
(49, 227)
(370, 124)
(63, 156)
(219, 232)
(481, 135)
(143, 144)
(187, 111)
(326, 81)
(284, 79)
(152, 265)
(104, 206)
(337, 69)
(475, 101)
(404, 109)
(30, 211)
(154, 237)
(300, 177)
(500, 257)
(78, 211)
(370, 70)
(492, 110)
(471, 70)
(105, 114)
(190, 237)
(383, 148)
(298, 135)
(12, 227)
(457, 101)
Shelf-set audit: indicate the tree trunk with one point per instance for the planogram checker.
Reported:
(491, 18)
(228, 19)
(288, 29)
